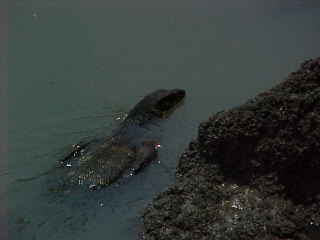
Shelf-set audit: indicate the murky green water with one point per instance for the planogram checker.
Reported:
(74, 65)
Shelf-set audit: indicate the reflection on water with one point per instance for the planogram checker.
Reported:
(74, 65)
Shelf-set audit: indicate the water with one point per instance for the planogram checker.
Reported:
(75, 65)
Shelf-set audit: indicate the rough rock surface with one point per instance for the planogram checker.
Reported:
(252, 173)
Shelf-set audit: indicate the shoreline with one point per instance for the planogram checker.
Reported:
(252, 172)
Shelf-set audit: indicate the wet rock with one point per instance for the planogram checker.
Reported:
(252, 173)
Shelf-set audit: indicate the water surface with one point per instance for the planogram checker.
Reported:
(74, 66)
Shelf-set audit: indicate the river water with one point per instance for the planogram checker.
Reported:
(75, 67)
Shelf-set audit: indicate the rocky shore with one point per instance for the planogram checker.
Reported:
(252, 173)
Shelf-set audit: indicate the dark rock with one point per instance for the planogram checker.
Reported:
(252, 173)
